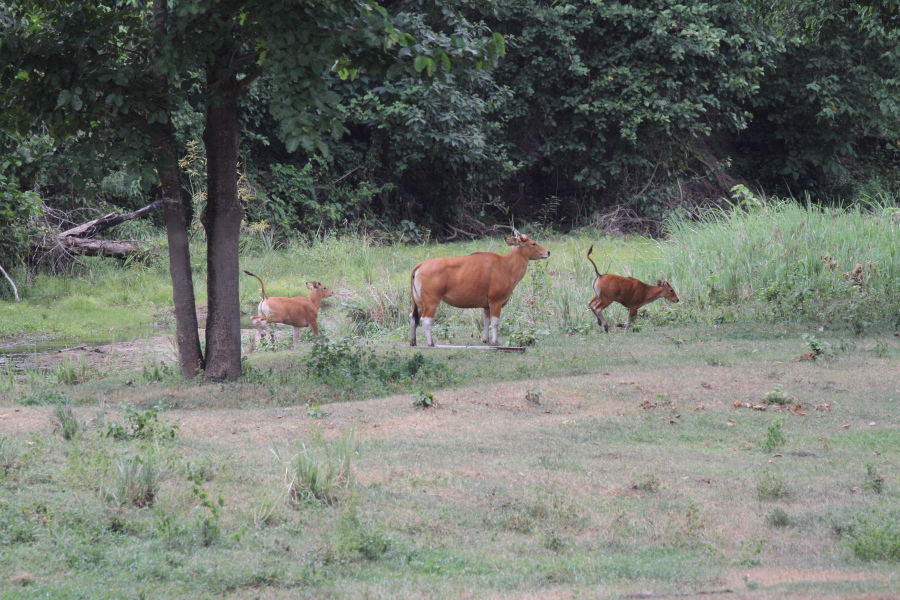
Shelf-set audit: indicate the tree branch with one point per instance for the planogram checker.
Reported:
(11, 282)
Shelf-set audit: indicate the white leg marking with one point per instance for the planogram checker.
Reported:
(494, 321)
(426, 325)
(412, 330)
(487, 324)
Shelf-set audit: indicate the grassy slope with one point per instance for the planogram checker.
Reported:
(634, 473)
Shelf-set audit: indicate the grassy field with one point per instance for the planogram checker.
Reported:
(743, 442)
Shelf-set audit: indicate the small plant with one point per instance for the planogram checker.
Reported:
(873, 482)
(9, 458)
(552, 541)
(207, 523)
(774, 435)
(771, 486)
(314, 411)
(320, 473)
(141, 425)
(422, 399)
(358, 541)
(648, 484)
(816, 348)
(66, 422)
(533, 396)
(777, 396)
(778, 518)
(750, 552)
(135, 482)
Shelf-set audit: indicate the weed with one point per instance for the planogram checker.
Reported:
(873, 481)
(881, 350)
(816, 348)
(776, 396)
(551, 540)
(649, 484)
(751, 549)
(69, 373)
(875, 536)
(66, 422)
(314, 411)
(141, 425)
(533, 396)
(134, 482)
(207, 522)
(521, 333)
(778, 518)
(422, 399)
(775, 438)
(45, 397)
(771, 486)
(9, 457)
(320, 473)
(346, 365)
(358, 541)
(158, 371)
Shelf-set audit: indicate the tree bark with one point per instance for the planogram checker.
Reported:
(187, 336)
(222, 220)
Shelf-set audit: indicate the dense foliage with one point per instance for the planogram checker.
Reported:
(653, 105)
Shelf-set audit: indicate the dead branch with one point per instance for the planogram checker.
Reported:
(92, 228)
(11, 282)
(59, 249)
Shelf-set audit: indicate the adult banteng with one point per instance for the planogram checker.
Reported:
(481, 280)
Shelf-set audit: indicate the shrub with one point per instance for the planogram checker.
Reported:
(875, 537)
(774, 435)
(778, 518)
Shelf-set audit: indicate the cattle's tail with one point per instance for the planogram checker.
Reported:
(596, 270)
(412, 293)
(260, 284)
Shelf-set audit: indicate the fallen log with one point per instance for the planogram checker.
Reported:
(79, 240)
(92, 228)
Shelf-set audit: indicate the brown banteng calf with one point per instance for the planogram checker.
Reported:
(481, 280)
(298, 311)
(627, 291)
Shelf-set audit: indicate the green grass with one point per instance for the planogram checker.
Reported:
(634, 470)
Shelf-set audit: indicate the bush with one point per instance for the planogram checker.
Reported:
(875, 536)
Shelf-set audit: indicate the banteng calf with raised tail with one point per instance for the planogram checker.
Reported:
(481, 280)
(627, 291)
(298, 311)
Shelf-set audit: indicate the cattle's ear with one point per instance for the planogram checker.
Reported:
(513, 241)
(311, 285)
(661, 282)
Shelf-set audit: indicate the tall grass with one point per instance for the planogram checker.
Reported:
(782, 260)
(794, 259)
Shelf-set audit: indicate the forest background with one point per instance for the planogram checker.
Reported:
(412, 121)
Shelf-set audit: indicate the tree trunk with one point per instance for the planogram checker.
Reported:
(190, 356)
(187, 335)
(222, 221)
